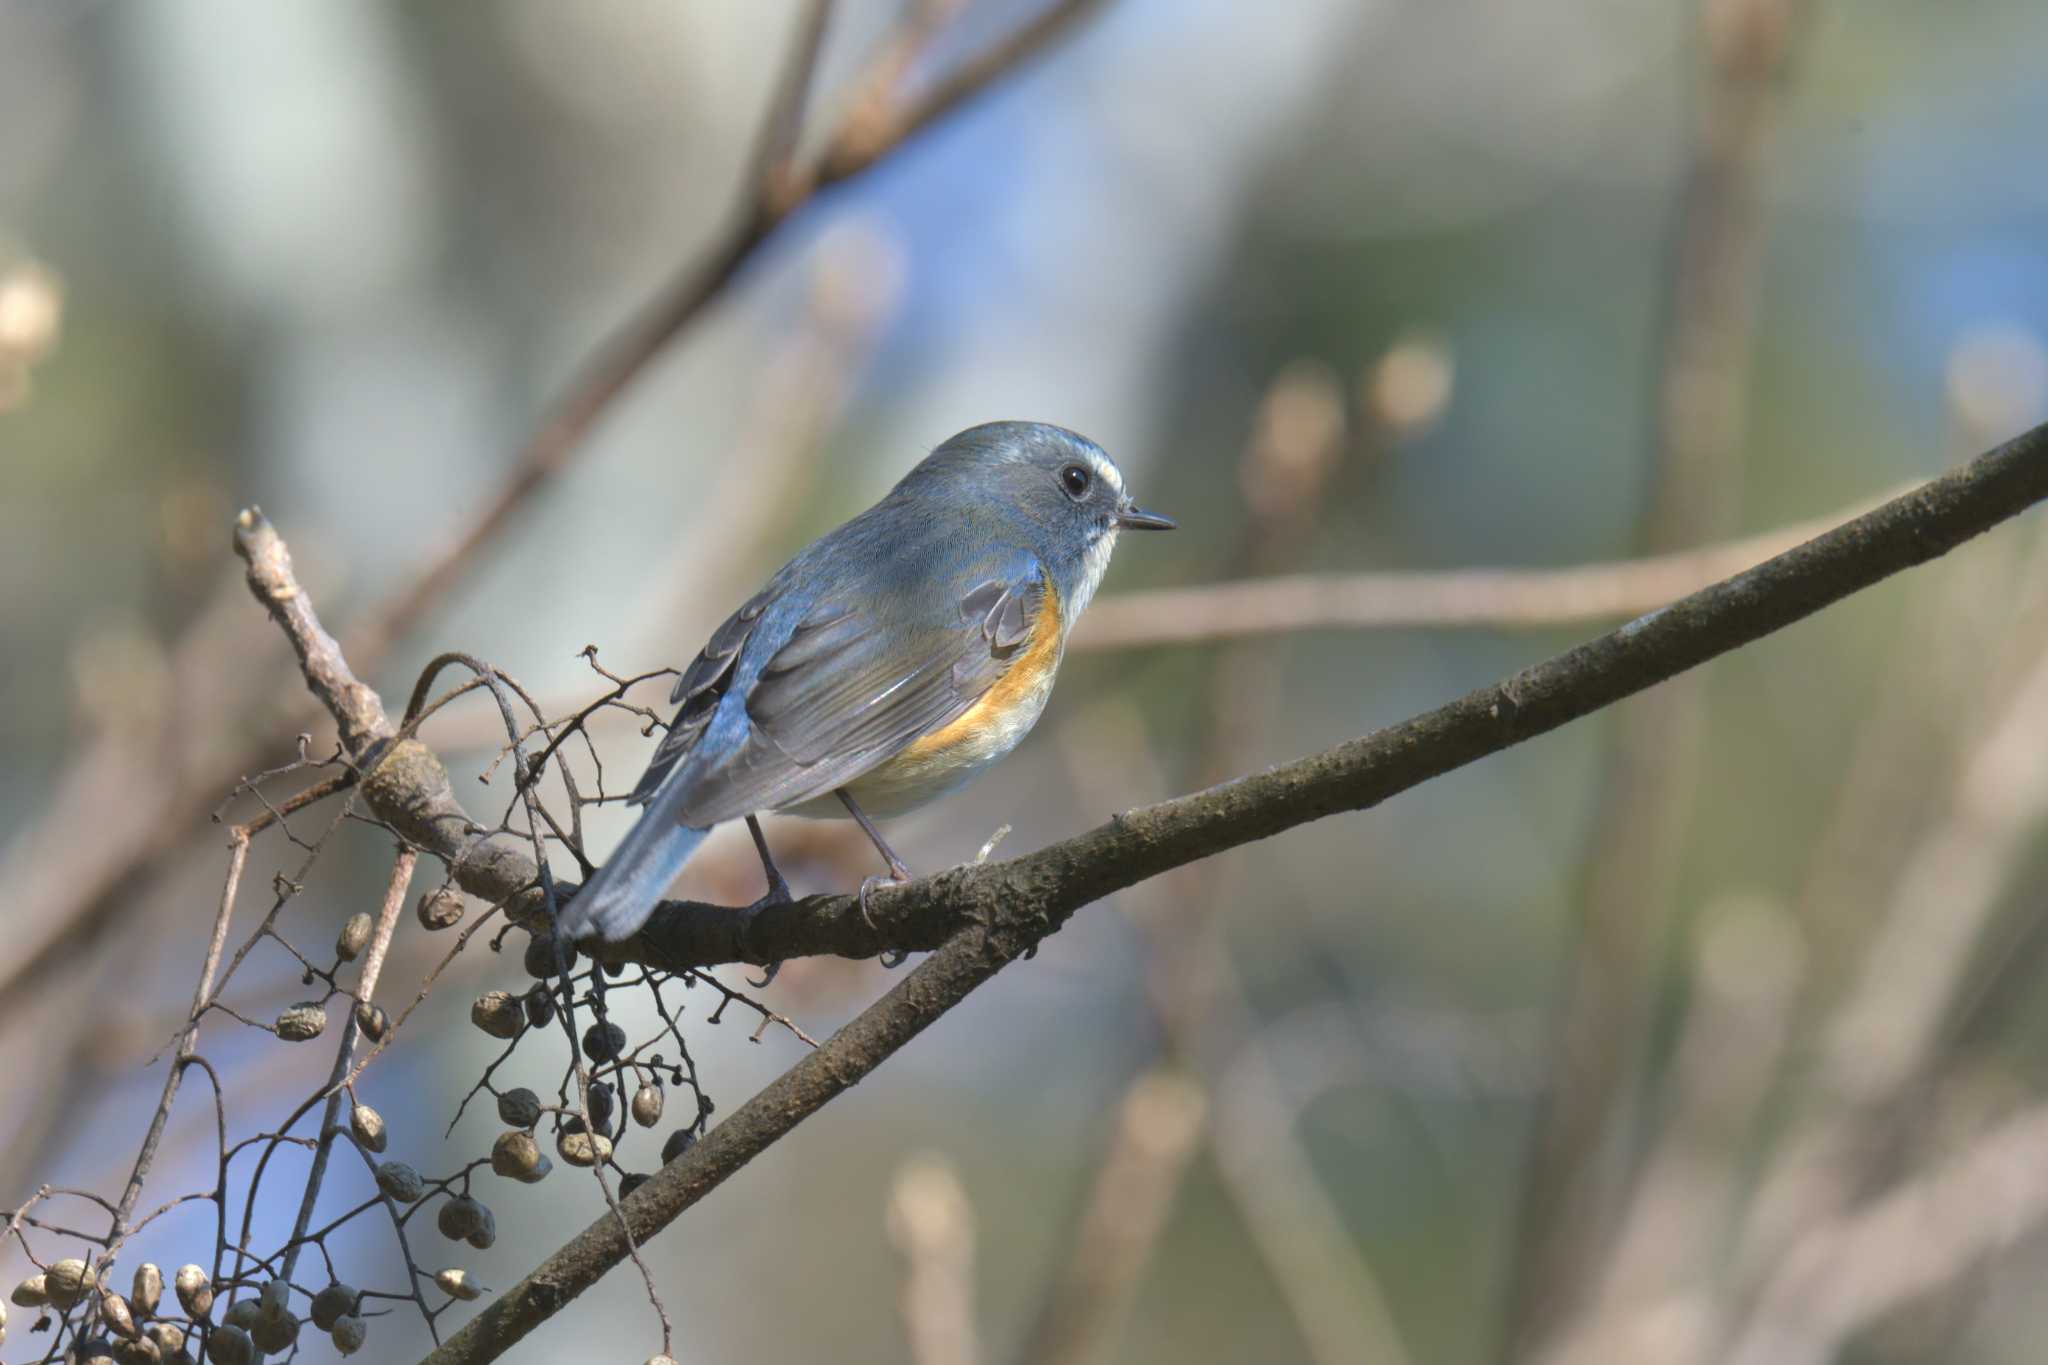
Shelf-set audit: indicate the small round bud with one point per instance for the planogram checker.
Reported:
(354, 937)
(496, 1013)
(118, 1316)
(65, 1281)
(195, 1291)
(647, 1102)
(540, 1007)
(32, 1292)
(230, 1346)
(458, 1217)
(332, 1304)
(680, 1141)
(367, 1126)
(582, 1149)
(146, 1290)
(348, 1334)
(540, 957)
(457, 1284)
(439, 909)
(520, 1107)
(302, 1022)
(241, 1314)
(371, 1019)
(486, 1234)
(516, 1156)
(602, 1042)
(400, 1181)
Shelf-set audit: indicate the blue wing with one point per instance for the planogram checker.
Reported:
(786, 705)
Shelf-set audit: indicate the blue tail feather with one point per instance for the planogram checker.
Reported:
(621, 895)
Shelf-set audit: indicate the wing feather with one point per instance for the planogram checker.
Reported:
(846, 692)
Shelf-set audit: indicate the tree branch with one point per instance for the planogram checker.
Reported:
(998, 911)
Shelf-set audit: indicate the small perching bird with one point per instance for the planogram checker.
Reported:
(892, 660)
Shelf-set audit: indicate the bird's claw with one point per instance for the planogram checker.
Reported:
(778, 894)
(897, 875)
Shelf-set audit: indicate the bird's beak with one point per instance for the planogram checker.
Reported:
(1132, 517)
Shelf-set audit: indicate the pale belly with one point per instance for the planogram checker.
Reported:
(924, 772)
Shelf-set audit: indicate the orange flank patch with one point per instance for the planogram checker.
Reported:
(1016, 697)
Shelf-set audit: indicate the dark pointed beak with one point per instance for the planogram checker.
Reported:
(1134, 518)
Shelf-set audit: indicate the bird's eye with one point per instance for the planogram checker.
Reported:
(1074, 478)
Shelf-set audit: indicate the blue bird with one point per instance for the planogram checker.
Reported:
(892, 660)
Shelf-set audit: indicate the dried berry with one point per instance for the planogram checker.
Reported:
(92, 1351)
(680, 1141)
(516, 1156)
(32, 1292)
(458, 1217)
(167, 1337)
(457, 1284)
(302, 1022)
(147, 1289)
(348, 1334)
(486, 1235)
(195, 1291)
(65, 1281)
(520, 1107)
(367, 1125)
(332, 1304)
(631, 1182)
(647, 1102)
(230, 1346)
(541, 963)
(353, 938)
(400, 1181)
(540, 1007)
(277, 1331)
(582, 1149)
(602, 1042)
(242, 1314)
(600, 1102)
(371, 1019)
(118, 1316)
(439, 909)
(496, 1013)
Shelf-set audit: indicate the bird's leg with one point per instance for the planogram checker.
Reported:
(894, 957)
(778, 894)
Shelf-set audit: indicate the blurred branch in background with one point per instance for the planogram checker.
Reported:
(1582, 1148)
(1199, 1004)
(140, 792)
(932, 1226)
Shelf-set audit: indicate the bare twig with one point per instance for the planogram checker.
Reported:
(1508, 599)
(1158, 1126)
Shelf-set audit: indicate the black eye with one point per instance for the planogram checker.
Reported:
(1074, 478)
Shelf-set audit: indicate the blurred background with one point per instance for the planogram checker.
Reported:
(1702, 1030)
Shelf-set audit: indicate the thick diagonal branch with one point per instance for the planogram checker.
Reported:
(997, 911)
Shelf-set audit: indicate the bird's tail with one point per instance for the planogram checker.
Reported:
(620, 896)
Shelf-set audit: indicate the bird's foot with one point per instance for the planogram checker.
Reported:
(897, 875)
(778, 894)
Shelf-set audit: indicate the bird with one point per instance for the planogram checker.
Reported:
(891, 661)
